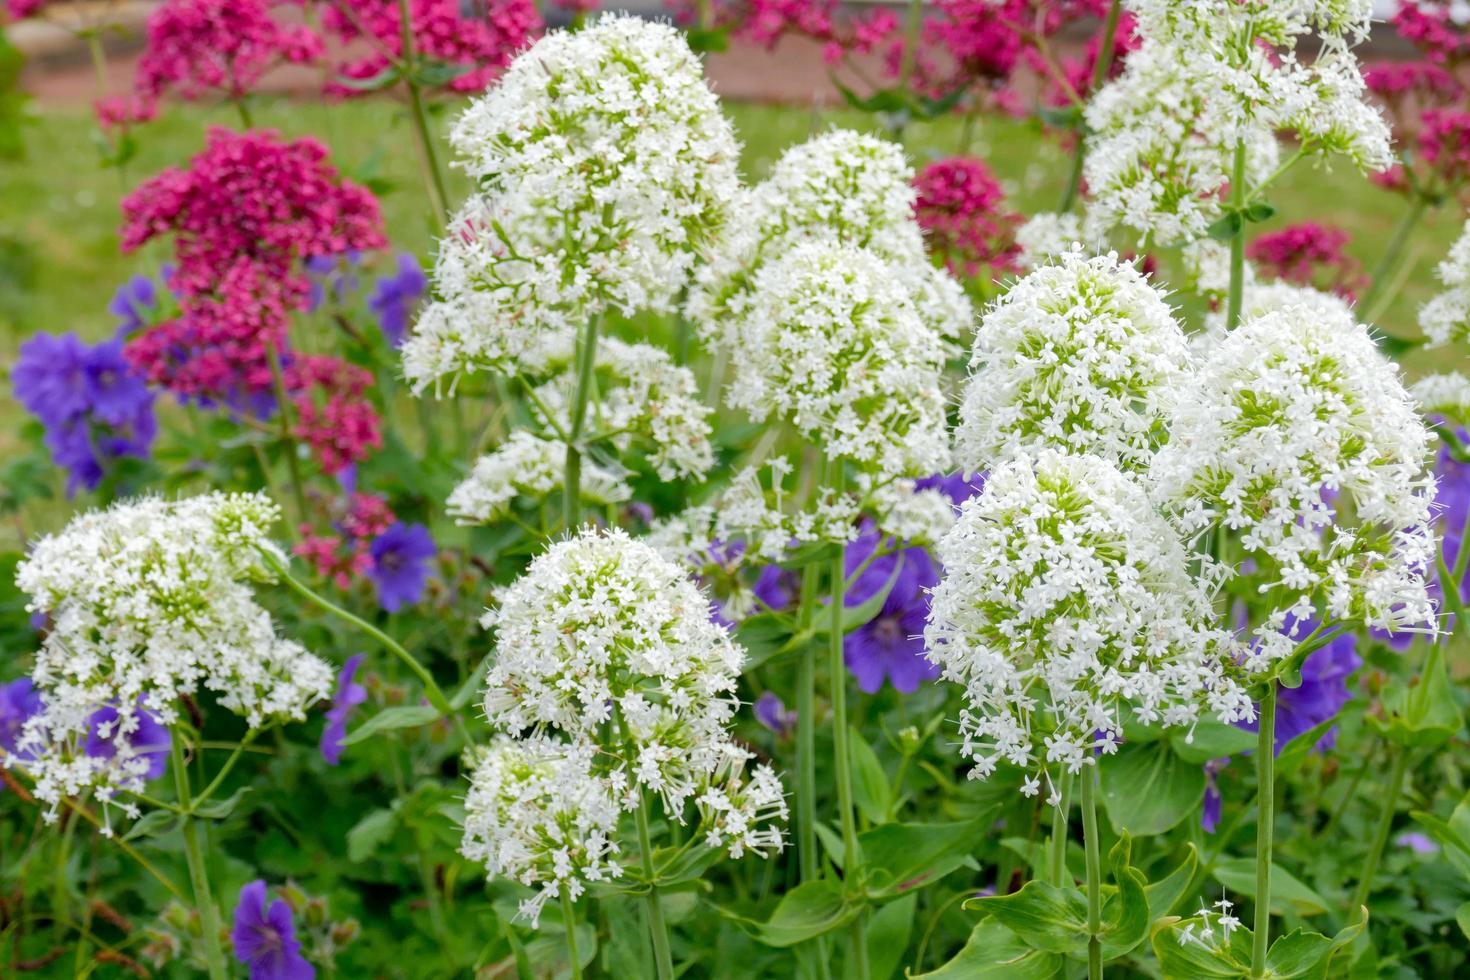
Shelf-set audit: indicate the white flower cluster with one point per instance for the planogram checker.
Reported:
(147, 600)
(1046, 235)
(1443, 394)
(1208, 75)
(833, 344)
(604, 645)
(1301, 438)
(527, 465)
(538, 815)
(1082, 355)
(641, 393)
(1207, 270)
(604, 168)
(1067, 602)
(1445, 319)
(1260, 298)
(845, 186)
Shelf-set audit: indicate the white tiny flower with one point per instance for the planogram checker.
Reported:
(1046, 235)
(604, 167)
(1445, 319)
(527, 466)
(1443, 394)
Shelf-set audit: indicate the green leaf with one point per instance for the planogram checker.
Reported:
(899, 858)
(154, 823)
(1239, 875)
(1453, 836)
(807, 911)
(1164, 894)
(1301, 955)
(389, 719)
(1260, 211)
(1044, 916)
(1125, 914)
(994, 952)
(373, 83)
(1226, 227)
(703, 40)
(1462, 918)
(888, 936)
(1212, 740)
(763, 635)
(1425, 715)
(870, 788)
(1199, 961)
(369, 832)
(433, 74)
(1147, 789)
(470, 687)
(220, 809)
(1294, 753)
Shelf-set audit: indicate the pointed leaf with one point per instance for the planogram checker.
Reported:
(805, 912)
(1287, 891)
(390, 719)
(1044, 916)
(899, 858)
(994, 952)
(1147, 789)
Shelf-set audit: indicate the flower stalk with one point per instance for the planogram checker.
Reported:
(1265, 826)
(1094, 873)
(658, 929)
(572, 482)
(193, 834)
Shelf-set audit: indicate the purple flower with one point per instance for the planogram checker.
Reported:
(1209, 817)
(891, 644)
(349, 695)
(265, 937)
(771, 712)
(133, 304)
(776, 587)
(19, 700)
(400, 564)
(149, 740)
(956, 486)
(50, 377)
(331, 276)
(94, 407)
(1416, 842)
(394, 297)
(1322, 693)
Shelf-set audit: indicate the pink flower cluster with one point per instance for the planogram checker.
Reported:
(21, 9)
(200, 47)
(243, 217)
(480, 37)
(1428, 25)
(345, 557)
(961, 207)
(767, 21)
(1310, 254)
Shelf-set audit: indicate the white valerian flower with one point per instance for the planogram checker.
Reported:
(1067, 606)
(527, 465)
(1045, 235)
(1082, 355)
(1207, 270)
(537, 813)
(1301, 440)
(834, 345)
(641, 394)
(147, 599)
(743, 812)
(1443, 394)
(851, 187)
(603, 167)
(1213, 75)
(602, 633)
(1260, 298)
(1445, 319)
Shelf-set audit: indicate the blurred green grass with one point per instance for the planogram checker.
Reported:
(59, 216)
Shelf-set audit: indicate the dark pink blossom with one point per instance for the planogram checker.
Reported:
(961, 207)
(1309, 254)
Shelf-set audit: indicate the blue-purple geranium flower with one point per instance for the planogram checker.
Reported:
(394, 297)
(19, 700)
(771, 712)
(149, 740)
(94, 407)
(349, 695)
(890, 646)
(400, 564)
(265, 937)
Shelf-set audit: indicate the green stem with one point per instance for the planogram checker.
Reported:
(658, 930)
(244, 111)
(1388, 261)
(224, 770)
(1265, 827)
(572, 484)
(1094, 873)
(420, 117)
(59, 890)
(1236, 295)
(193, 833)
(806, 739)
(431, 688)
(283, 410)
(1059, 814)
(837, 667)
(569, 917)
(1380, 836)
